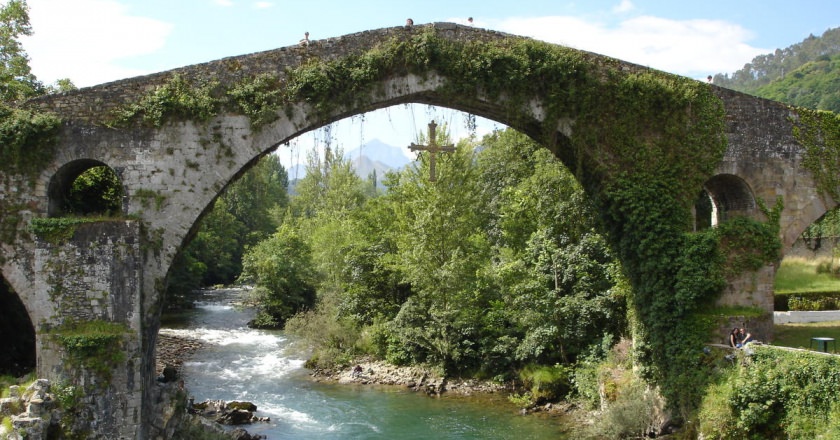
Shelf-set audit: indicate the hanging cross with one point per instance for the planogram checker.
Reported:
(433, 148)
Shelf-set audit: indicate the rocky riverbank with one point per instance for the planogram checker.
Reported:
(376, 372)
(173, 349)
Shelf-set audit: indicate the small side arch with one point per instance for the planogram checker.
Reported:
(17, 334)
(723, 196)
(85, 187)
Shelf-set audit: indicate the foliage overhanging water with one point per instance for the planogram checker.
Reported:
(239, 363)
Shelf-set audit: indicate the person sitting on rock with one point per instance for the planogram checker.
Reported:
(357, 371)
(745, 337)
(734, 338)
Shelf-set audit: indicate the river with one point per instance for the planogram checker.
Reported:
(238, 363)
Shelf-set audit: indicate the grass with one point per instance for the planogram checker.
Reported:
(800, 275)
(7, 381)
(799, 335)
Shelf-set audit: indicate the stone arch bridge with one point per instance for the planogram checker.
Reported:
(115, 271)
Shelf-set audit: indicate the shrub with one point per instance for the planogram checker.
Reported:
(803, 301)
(778, 394)
(636, 413)
(546, 383)
(828, 301)
(6, 426)
(715, 415)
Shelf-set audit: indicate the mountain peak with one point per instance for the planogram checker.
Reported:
(378, 151)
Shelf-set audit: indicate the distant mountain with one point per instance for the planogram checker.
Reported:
(365, 165)
(378, 151)
(297, 172)
(374, 155)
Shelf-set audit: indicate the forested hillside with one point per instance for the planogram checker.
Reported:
(806, 74)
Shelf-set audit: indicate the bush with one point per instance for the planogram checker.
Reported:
(636, 413)
(597, 377)
(715, 416)
(333, 340)
(546, 384)
(807, 301)
(779, 394)
(822, 301)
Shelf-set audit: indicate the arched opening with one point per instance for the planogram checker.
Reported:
(378, 293)
(17, 334)
(85, 187)
(722, 197)
(808, 278)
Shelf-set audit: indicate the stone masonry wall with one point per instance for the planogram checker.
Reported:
(95, 275)
(116, 271)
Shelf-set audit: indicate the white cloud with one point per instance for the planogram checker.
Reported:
(693, 48)
(624, 6)
(224, 3)
(263, 5)
(84, 39)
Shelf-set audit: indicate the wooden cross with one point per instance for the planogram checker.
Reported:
(433, 148)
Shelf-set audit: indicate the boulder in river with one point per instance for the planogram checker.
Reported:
(228, 413)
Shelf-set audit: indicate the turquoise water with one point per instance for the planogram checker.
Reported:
(262, 367)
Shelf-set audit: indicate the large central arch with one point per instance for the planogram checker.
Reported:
(643, 144)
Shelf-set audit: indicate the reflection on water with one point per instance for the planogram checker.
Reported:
(238, 363)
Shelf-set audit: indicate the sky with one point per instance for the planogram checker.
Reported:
(97, 41)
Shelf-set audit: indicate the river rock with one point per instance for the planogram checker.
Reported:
(173, 349)
(30, 411)
(375, 372)
(235, 417)
(231, 413)
(247, 406)
(241, 434)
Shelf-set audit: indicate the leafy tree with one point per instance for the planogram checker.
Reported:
(240, 217)
(806, 74)
(281, 268)
(219, 245)
(441, 250)
(764, 69)
(185, 274)
(97, 190)
(252, 198)
(492, 268)
(17, 83)
(62, 85)
(324, 209)
(561, 287)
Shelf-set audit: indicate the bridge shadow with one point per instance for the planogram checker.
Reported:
(17, 335)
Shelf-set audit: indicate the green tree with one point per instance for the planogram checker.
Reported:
(239, 218)
(767, 68)
(253, 197)
(97, 190)
(441, 251)
(281, 269)
(219, 245)
(327, 199)
(17, 83)
(561, 287)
